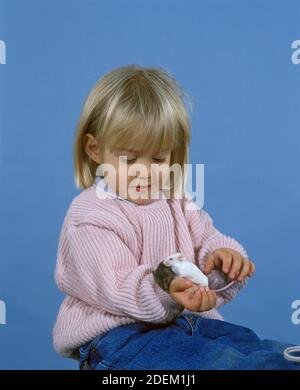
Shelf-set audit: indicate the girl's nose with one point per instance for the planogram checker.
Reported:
(145, 174)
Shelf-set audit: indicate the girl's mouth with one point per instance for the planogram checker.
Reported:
(142, 188)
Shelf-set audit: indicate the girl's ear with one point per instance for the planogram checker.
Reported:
(92, 148)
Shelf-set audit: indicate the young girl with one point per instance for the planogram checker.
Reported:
(133, 129)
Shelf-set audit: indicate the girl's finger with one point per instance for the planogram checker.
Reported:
(181, 284)
(197, 299)
(244, 271)
(227, 260)
(193, 300)
(204, 303)
(191, 291)
(214, 298)
(210, 299)
(210, 264)
(236, 266)
(252, 268)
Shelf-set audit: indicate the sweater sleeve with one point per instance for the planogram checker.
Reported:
(206, 239)
(102, 271)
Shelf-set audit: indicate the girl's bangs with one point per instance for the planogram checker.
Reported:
(134, 131)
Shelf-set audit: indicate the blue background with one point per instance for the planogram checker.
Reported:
(233, 58)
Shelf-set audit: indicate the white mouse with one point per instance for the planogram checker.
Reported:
(176, 265)
(185, 269)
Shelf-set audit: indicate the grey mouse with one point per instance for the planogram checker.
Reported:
(163, 276)
(177, 266)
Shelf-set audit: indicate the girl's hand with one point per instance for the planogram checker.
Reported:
(230, 262)
(191, 296)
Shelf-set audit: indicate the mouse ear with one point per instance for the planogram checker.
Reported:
(177, 255)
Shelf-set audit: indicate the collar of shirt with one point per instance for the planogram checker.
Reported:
(104, 190)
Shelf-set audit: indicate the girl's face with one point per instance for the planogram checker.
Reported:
(137, 177)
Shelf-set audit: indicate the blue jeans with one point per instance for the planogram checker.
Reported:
(189, 342)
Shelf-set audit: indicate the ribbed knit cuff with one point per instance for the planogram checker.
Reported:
(172, 308)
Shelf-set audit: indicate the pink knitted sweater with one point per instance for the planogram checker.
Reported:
(107, 250)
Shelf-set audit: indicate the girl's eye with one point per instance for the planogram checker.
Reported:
(124, 159)
(159, 160)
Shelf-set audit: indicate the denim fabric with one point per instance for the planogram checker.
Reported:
(189, 342)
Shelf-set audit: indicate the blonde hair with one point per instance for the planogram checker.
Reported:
(133, 105)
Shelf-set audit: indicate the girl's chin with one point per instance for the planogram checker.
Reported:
(142, 201)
